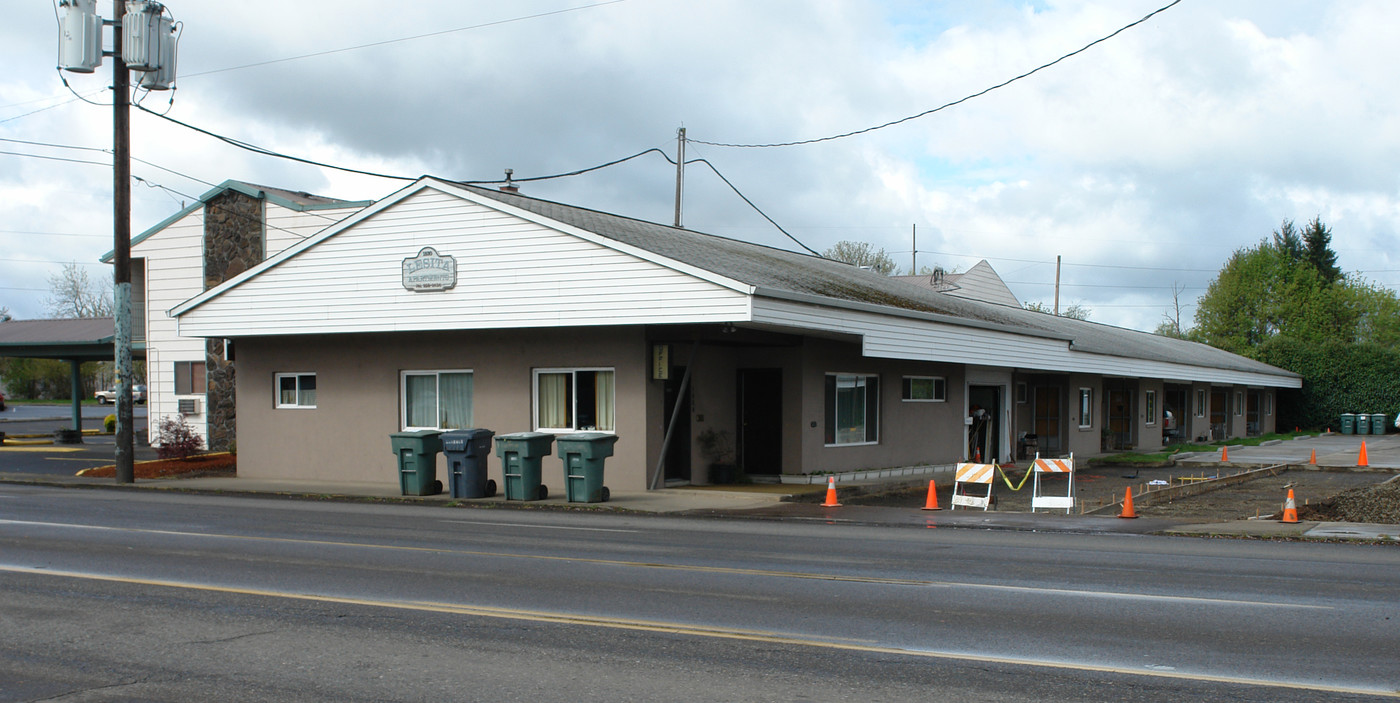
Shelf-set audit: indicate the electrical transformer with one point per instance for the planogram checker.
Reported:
(79, 36)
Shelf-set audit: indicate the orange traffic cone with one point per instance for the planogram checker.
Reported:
(1312, 458)
(831, 493)
(977, 456)
(1290, 509)
(1225, 453)
(932, 502)
(1128, 511)
(1361, 460)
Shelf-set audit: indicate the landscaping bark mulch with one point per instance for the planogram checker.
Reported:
(198, 465)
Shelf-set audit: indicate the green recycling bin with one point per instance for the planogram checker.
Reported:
(521, 454)
(1348, 423)
(1378, 423)
(583, 454)
(1363, 423)
(417, 452)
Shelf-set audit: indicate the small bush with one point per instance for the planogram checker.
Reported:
(177, 439)
(109, 424)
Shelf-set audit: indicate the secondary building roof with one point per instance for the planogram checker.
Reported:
(83, 339)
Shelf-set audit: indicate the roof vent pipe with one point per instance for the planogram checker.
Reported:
(510, 187)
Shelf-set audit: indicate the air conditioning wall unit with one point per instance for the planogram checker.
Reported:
(188, 406)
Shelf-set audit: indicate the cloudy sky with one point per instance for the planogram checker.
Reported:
(1143, 161)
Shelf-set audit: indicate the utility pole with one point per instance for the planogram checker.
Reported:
(680, 171)
(121, 245)
(914, 244)
(1057, 285)
(153, 48)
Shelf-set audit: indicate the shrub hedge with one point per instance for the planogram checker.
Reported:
(1337, 378)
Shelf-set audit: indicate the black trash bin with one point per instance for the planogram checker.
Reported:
(521, 454)
(466, 452)
(417, 452)
(584, 454)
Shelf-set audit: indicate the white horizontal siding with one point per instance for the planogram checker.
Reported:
(174, 273)
(285, 226)
(510, 273)
(893, 337)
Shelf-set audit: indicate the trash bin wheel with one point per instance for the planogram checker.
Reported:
(437, 487)
(490, 487)
(544, 492)
(606, 494)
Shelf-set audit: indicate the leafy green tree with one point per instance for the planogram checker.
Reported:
(1074, 312)
(862, 254)
(1317, 238)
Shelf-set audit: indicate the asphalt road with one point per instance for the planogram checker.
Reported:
(119, 595)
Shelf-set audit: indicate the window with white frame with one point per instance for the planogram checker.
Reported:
(1239, 402)
(1268, 403)
(436, 400)
(296, 390)
(852, 409)
(1200, 402)
(1150, 399)
(575, 399)
(1086, 408)
(925, 389)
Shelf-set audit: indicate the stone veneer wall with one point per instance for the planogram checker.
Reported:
(233, 243)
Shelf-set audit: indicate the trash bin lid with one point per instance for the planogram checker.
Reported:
(416, 433)
(525, 436)
(588, 437)
(468, 433)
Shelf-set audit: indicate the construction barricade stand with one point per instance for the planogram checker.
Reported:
(1052, 466)
(976, 475)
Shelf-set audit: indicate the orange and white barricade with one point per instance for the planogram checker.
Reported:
(1053, 466)
(976, 475)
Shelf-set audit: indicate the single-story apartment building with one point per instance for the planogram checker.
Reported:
(448, 306)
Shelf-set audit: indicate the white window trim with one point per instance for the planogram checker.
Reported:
(1023, 393)
(1268, 403)
(175, 378)
(1239, 403)
(935, 399)
(1086, 419)
(277, 390)
(573, 371)
(1151, 408)
(403, 394)
(1202, 402)
(866, 443)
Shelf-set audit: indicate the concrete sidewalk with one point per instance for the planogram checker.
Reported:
(753, 501)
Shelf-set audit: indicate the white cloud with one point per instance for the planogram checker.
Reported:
(1163, 149)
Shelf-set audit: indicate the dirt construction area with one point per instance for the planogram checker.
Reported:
(1315, 492)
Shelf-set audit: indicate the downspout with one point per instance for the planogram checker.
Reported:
(675, 416)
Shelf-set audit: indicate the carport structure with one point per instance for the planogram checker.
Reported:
(72, 340)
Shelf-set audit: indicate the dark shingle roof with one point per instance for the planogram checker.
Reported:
(791, 272)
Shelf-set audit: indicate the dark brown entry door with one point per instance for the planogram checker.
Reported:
(1120, 418)
(761, 421)
(678, 453)
(1219, 413)
(1047, 419)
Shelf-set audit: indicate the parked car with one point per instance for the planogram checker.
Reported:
(138, 395)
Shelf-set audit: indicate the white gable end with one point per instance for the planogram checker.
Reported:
(511, 272)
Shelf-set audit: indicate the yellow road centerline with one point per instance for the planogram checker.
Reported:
(769, 637)
(726, 570)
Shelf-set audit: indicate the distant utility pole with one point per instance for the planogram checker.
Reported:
(680, 171)
(144, 42)
(914, 244)
(1057, 285)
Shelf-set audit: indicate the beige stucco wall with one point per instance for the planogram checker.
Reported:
(1085, 440)
(910, 433)
(346, 436)
(1149, 429)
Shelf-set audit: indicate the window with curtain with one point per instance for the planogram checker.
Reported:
(296, 390)
(1086, 408)
(575, 399)
(439, 400)
(190, 378)
(852, 409)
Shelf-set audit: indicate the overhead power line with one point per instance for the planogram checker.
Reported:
(945, 106)
(404, 39)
